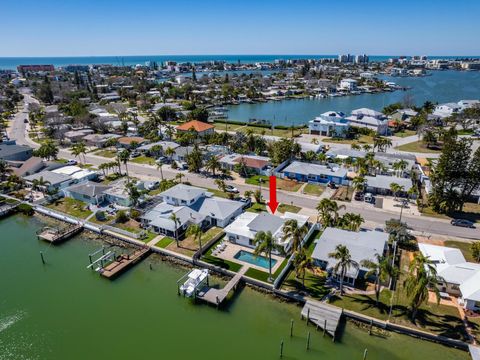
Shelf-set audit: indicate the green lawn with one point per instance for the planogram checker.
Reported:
(416, 146)
(106, 153)
(255, 180)
(362, 139)
(282, 184)
(475, 325)
(471, 211)
(404, 133)
(218, 193)
(143, 160)
(71, 206)
(464, 248)
(263, 275)
(150, 236)
(290, 208)
(256, 208)
(439, 319)
(313, 189)
(164, 242)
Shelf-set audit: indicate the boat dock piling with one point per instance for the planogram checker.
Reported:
(322, 315)
(55, 235)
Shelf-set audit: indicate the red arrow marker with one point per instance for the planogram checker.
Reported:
(273, 204)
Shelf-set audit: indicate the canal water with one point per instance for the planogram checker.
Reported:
(61, 310)
(441, 86)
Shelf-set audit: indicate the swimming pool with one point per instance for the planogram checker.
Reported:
(253, 259)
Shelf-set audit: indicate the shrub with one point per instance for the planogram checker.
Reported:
(122, 217)
(25, 209)
(174, 165)
(135, 214)
(100, 216)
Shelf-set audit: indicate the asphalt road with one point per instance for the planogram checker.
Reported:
(424, 224)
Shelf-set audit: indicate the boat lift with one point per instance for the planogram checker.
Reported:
(105, 258)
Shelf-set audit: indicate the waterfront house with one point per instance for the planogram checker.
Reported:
(89, 192)
(245, 227)
(362, 245)
(467, 104)
(201, 129)
(330, 123)
(457, 277)
(28, 167)
(447, 109)
(307, 172)
(192, 205)
(403, 115)
(76, 173)
(55, 181)
(370, 119)
(348, 84)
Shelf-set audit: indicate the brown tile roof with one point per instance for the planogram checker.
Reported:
(251, 162)
(127, 140)
(198, 126)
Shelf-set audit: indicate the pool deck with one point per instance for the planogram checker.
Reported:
(232, 249)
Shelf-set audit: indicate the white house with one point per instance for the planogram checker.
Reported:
(362, 245)
(243, 230)
(447, 109)
(457, 277)
(466, 104)
(348, 84)
(368, 118)
(328, 124)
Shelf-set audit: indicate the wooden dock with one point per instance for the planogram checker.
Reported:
(55, 236)
(123, 262)
(217, 296)
(324, 316)
(7, 209)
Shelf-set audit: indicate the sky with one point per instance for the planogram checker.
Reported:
(181, 27)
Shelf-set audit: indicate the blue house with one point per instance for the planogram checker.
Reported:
(307, 172)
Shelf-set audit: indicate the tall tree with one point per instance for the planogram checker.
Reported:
(295, 233)
(344, 262)
(381, 269)
(265, 243)
(196, 232)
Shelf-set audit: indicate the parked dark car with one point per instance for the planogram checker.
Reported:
(359, 196)
(332, 185)
(463, 223)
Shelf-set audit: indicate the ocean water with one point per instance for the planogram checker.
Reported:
(13, 62)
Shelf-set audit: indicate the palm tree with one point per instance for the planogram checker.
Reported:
(212, 165)
(179, 177)
(176, 222)
(328, 212)
(322, 158)
(159, 167)
(221, 185)
(123, 157)
(5, 169)
(355, 146)
(301, 262)
(381, 269)
(196, 232)
(399, 167)
(366, 147)
(39, 184)
(79, 149)
(314, 141)
(170, 152)
(395, 189)
(422, 276)
(351, 221)
(292, 231)
(265, 244)
(344, 262)
(359, 183)
(248, 194)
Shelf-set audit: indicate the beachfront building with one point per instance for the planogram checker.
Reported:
(370, 119)
(457, 277)
(191, 205)
(330, 123)
(246, 226)
(362, 245)
(307, 172)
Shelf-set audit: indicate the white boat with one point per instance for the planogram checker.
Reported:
(195, 278)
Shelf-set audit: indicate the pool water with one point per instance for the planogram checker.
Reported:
(253, 259)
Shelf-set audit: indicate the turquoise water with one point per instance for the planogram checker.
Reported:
(253, 259)
(13, 62)
(441, 86)
(62, 311)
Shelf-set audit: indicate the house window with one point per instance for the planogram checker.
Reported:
(455, 287)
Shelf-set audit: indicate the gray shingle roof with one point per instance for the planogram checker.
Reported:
(363, 245)
(266, 222)
(306, 169)
(89, 188)
(216, 207)
(9, 150)
(383, 182)
(183, 192)
(51, 177)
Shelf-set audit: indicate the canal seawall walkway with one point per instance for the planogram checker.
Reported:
(260, 284)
